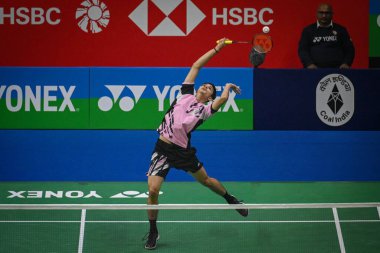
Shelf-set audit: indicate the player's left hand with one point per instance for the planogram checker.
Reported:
(234, 87)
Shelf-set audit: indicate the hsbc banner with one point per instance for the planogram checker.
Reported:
(112, 98)
(137, 98)
(317, 99)
(162, 33)
(44, 98)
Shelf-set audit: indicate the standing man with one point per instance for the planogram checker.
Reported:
(173, 148)
(326, 44)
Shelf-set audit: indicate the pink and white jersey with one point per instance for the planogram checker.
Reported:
(184, 116)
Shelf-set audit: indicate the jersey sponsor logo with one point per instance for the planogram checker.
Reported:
(93, 16)
(318, 39)
(335, 100)
(167, 18)
(38, 98)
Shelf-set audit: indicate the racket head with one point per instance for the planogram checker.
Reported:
(257, 56)
(262, 42)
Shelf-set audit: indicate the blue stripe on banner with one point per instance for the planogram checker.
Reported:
(374, 7)
(117, 155)
(35, 77)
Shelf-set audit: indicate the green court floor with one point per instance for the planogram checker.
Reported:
(264, 230)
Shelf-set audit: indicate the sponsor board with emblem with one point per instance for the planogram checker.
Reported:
(335, 100)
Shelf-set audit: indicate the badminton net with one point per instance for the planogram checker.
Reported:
(185, 227)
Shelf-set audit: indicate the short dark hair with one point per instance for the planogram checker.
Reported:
(213, 95)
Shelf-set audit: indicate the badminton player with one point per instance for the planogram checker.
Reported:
(173, 147)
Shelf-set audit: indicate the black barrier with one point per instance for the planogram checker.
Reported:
(323, 99)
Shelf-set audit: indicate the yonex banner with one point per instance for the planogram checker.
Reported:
(137, 98)
(159, 33)
(112, 98)
(317, 99)
(44, 98)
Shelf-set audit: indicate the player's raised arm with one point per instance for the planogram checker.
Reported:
(196, 67)
(224, 97)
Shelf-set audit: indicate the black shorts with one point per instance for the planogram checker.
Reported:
(166, 156)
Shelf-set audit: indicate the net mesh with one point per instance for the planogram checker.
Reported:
(189, 228)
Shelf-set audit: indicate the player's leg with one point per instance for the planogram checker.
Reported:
(214, 185)
(158, 169)
(154, 186)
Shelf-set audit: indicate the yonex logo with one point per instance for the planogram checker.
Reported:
(167, 17)
(317, 39)
(93, 15)
(38, 98)
(132, 194)
(74, 195)
(335, 104)
(325, 39)
(126, 103)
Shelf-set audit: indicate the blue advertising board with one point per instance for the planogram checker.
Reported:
(324, 99)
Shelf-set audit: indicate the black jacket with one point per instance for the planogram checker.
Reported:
(326, 47)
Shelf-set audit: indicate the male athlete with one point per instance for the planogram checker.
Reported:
(173, 147)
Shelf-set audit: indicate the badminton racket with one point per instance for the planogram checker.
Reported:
(263, 42)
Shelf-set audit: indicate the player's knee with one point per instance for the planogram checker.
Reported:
(154, 191)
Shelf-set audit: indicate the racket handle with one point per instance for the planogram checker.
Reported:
(228, 42)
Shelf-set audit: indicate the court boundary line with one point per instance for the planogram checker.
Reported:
(81, 231)
(182, 206)
(339, 231)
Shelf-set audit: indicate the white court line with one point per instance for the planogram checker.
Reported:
(81, 233)
(190, 221)
(378, 210)
(179, 206)
(339, 231)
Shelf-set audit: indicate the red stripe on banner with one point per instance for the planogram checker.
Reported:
(158, 33)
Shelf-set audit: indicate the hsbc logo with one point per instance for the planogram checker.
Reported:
(92, 16)
(167, 18)
(29, 16)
